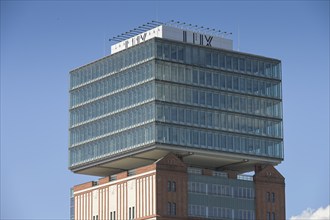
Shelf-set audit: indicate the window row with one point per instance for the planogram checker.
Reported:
(213, 58)
(214, 140)
(112, 144)
(219, 120)
(245, 214)
(111, 64)
(197, 187)
(218, 100)
(220, 212)
(198, 171)
(220, 190)
(112, 84)
(196, 210)
(113, 123)
(247, 193)
(194, 170)
(231, 82)
(112, 103)
(171, 52)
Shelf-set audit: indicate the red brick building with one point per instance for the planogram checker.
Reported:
(160, 191)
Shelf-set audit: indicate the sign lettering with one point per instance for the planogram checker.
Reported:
(208, 40)
(198, 38)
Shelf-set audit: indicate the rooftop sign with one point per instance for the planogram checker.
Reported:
(177, 34)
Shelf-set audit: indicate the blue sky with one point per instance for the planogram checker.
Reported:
(42, 41)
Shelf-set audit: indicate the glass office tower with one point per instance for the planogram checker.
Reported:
(215, 107)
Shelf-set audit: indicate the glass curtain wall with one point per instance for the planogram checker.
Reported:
(112, 106)
(218, 100)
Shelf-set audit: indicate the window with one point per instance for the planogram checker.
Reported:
(254, 66)
(248, 65)
(215, 60)
(169, 208)
(209, 140)
(131, 213)
(195, 77)
(208, 78)
(174, 209)
(173, 186)
(195, 96)
(268, 216)
(188, 116)
(159, 51)
(241, 64)
(216, 100)
(215, 80)
(208, 58)
(271, 197)
(167, 51)
(202, 77)
(268, 196)
(229, 82)
(174, 114)
(235, 63)
(228, 62)
(195, 117)
(180, 53)
(209, 99)
(202, 118)
(222, 81)
(173, 52)
(169, 186)
(202, 98)
(273, 215)
(222, 61)
(181, 115)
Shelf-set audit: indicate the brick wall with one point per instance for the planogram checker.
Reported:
(270, 193)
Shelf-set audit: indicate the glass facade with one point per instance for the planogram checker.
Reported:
(178, 94)
(217, 197)
(112, 107)
(218, 100)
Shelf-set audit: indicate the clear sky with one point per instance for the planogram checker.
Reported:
(42, 41)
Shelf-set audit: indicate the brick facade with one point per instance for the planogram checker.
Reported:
(171, 170)
(270, 193)
(161, 192)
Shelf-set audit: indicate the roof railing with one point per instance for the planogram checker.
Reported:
(172, 23)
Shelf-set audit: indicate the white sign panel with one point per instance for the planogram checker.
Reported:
(176, 34)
